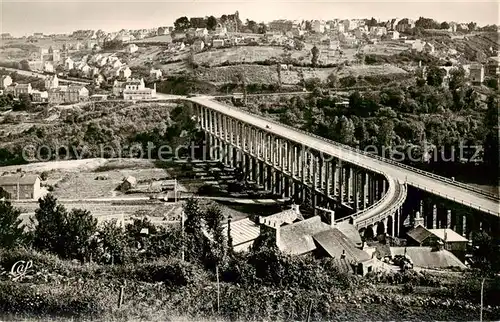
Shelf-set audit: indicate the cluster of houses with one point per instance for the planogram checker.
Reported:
(54, 92)
(475, 72)
(321, 237)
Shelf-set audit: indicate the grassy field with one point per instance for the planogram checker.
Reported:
(269, 74)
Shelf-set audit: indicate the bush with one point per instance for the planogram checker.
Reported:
(171, 272)
(44, 175)
(48, 300)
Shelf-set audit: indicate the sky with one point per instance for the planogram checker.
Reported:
(20, 17)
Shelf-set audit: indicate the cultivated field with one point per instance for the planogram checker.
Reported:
(269, 74)
(247, 54)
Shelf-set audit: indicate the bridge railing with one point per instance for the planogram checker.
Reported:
(470, 204)
(377, 157)
(369, 208)
(365, 222)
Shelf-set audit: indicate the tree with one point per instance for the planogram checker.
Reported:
(11, 231)
(435, 76)
(115, 44)
(426, 23)
(278, 70)
(113, 241)
(332, 80)
(346, 131)
(262, 28)
(486, 253)
(386, 133)
(299, 45)
(490, 144)
(182, 23)
(315, 56)
(457, 78)
(211, 23)
(472, 26)
(80, 229)
(49, 223)
(25, 101)
(252, 26)
(194, 241)
(65, 234)
(445, 25)
(214, 218)
(371, 22)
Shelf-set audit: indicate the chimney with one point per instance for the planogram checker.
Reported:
(419, 221)
(296, 209)
(332, 218)
(343, 254)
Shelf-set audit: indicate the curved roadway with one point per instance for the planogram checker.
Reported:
(425, 181)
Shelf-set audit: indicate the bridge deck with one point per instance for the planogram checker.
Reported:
(426, 181)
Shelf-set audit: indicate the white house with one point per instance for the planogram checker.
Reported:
(5, 81)
(216, 43)
(318, 26)
(393, 35)
(156, 73)
(201, 32)
(69, 64)
(48, 67)
(124, 72)
(132, 48)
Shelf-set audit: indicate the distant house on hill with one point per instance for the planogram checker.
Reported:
(5, 81)
(132, 48)
(128, 183)
(156, 73)
(68, 94)
(17, 187)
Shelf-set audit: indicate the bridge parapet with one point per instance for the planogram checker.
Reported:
(449, 181)
(372, 216)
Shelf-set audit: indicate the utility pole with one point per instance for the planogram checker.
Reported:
(182, 235)
(218, 286)
(175, 191)
(482, 293)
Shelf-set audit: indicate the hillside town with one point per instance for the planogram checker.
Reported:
(106, 61)
(222, 168)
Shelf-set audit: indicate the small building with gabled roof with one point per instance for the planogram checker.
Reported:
(18, 187)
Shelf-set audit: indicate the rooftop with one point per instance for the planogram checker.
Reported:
(451, 235)
(243, 231)
(18, 179)
(296, 239)
(284, 217)
(426, 257)
(419, 233)
(337, 245)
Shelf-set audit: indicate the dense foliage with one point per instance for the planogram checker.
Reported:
(263, 283)
(104, 130)
(403, 120)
